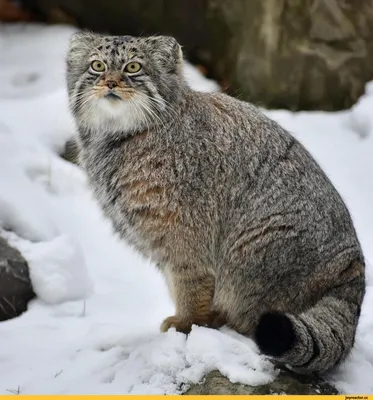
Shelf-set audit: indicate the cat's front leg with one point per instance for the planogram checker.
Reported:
(192, 290)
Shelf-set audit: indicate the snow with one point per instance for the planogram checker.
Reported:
(57, 268)
(197, 81)
(94, 327)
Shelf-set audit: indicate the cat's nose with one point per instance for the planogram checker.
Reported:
(111, 84)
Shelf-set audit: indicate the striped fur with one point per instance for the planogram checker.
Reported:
(242, 221)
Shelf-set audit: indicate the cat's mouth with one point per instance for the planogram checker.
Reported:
(111, 95)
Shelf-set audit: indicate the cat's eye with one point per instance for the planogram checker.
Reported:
(132, 67)
(98, 66)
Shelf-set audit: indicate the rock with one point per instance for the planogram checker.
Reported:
(15, 285)
(286, 383)
(71, 151)
(294, 54)
(10, 11)
(299, 54)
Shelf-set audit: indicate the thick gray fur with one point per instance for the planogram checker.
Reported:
(233, 209)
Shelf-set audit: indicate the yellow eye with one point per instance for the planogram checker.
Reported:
(98, 66)
(132, 67)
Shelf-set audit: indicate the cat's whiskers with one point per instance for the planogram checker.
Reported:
(168, 110)
(124, 93)
(138, 109)
(147, 108)
(79, 101)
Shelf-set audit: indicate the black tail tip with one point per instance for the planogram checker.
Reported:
(275, 334)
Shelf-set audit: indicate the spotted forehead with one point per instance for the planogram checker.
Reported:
(121, 40)
(117, 45)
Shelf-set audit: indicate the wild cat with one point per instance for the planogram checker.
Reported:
(245, 226)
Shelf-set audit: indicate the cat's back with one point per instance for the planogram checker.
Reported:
(257, 147)
(237, 128)
(266, 170)
(219, 112)
(229, 131)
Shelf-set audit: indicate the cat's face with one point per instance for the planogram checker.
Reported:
(122, 83)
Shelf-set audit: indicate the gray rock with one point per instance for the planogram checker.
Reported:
(286, 383)
(292, 54)
(15, 284)
(71, 152)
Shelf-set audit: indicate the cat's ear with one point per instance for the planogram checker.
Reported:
(80, 46)
(168, 52)
(82, 41)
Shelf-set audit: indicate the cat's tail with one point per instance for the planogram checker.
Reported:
(320, 337)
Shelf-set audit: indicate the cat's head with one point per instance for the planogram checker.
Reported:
(122, 83)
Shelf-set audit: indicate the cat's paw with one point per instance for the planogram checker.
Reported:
(213, 320)
(176, 322)
(217, 320)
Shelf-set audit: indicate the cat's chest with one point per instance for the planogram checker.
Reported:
(134, 181)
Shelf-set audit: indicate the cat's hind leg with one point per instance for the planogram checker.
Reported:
(192, 290)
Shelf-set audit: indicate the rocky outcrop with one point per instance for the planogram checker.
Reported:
(15, 285)
(71, 151)
(11, 11)
(285, 383)
(312, 54)
(294, 54)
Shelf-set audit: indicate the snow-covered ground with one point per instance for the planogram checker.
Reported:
(95, 325)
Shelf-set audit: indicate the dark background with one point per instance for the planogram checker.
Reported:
(293, 54)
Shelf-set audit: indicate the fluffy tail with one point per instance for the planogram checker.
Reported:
(319, 338)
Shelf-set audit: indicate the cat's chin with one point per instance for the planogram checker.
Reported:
(113, 106)
(114, 114)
